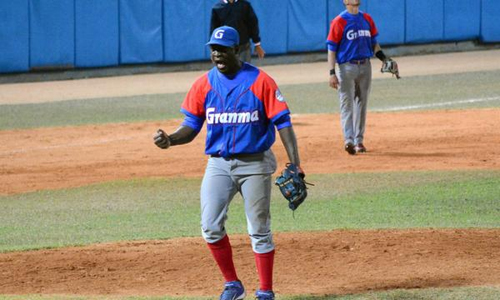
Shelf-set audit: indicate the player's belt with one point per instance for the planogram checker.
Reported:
(241, 156)
(359, 62)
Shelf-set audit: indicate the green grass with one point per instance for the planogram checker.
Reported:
(387, 94)
(302, 98)
(463, 293)
(91, 111)
(169, 208)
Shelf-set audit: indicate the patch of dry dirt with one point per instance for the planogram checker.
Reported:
(337, 262)
(54, 158)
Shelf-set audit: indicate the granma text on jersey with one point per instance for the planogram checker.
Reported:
(232, 117)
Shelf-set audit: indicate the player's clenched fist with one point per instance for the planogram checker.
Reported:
(162, 139)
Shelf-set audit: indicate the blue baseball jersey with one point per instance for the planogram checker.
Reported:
(352, 37)
(241, 112)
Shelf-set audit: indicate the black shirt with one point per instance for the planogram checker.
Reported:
(239, 15)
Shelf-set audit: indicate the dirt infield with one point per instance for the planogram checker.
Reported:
(337, 262)
(53, 158)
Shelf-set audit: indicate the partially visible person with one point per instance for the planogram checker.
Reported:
(240, 15)
(351, 42)
(242, 107)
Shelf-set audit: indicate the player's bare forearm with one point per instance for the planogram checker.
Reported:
(182, 135)
(333, 81)
(331, 59)
(289, 140)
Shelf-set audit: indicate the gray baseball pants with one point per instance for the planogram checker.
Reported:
(354, 88)
(250, 175)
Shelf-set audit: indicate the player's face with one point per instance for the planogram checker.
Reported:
(225, 59)
(354, 3)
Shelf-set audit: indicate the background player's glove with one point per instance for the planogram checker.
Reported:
(390, 66)
(162, 139)
(292, 185)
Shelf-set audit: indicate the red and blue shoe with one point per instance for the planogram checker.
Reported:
(264, 295)
(233, 290)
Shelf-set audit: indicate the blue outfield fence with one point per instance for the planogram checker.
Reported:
(306, 25)
(273, 23)
(424, 21)
(95, 33)
(141, 31)
(391, 29)
(462, 19)
(490, 29)
(14, 36)
(52, 33)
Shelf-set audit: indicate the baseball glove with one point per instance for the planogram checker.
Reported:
(390, 66)
(292, 185)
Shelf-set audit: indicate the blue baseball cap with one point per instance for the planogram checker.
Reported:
(225, 36)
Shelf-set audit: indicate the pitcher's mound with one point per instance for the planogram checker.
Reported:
(336, 262)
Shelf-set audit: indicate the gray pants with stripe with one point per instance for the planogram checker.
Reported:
(354, 89)
(251, 176)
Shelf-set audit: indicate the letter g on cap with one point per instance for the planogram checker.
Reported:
(219, 34)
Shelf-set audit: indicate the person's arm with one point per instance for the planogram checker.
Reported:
(254, 32)
(183, 135)
(289, 140)
(379, 53)
(260, 51)
(333, 80)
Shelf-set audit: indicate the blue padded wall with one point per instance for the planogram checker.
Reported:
(335, 7)
(391, 30)
(184, 38)
(462, 19)
(424, 21)
(52, 33)
(141, 31)
(96, 33)
(306, 25)
(273, 24)
(14, 36)
(490, 28)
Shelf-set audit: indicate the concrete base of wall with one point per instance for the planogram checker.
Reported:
(293, 58)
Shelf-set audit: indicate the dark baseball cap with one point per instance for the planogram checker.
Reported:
(225, 36)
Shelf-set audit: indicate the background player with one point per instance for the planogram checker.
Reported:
(240, 15)
(351, 43)
(241, 105)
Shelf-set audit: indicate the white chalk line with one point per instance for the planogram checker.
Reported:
(431, 105)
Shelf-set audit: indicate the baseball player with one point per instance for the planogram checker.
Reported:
(352, 41)
(241, 106)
